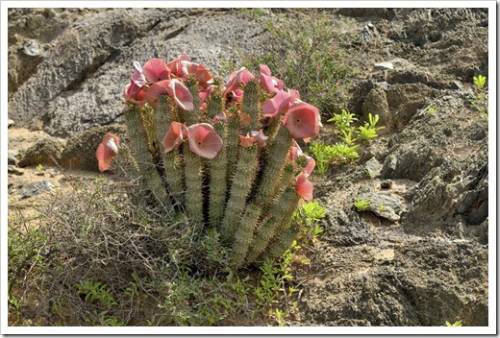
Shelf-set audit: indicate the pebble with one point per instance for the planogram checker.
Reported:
(383, 204)
(36, 189)
(12, 169)
(12, 159)
(384, 65)
(10, 123)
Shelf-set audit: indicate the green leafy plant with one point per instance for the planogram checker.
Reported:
(310, 214)
(96, 292)
(455, 324)
(369, 130)
(479, 100)
(344, 120)
(362, 204)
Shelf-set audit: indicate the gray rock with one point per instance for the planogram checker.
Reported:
(10, 123)
(12, 169)
(376, 103)
(411, 161)
(90, 63)
(36, 189)
(12, 158)
(47, 151)
(382, 204)
(373, 167)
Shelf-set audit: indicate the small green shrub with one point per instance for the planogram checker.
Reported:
(479, 100)
(455, 324)
(362, 204)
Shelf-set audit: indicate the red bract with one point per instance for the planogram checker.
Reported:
(268, 82)
(107, 150)
(302, 120)
(204, 141)
(156, 70)
(181, 94)
(175, 135)
(304, 187)
(280, 103)
(238, 79)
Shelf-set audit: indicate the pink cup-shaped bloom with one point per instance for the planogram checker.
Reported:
(175, 65)
(134, 93)
(107, 150)
(204, 141)
(181, 94)
(302, 120)
(280, 102)
(156, 70)
(175, 89)
(269, 83)
(174, 136)
(308, 169)
(199, 71)
(304, 187)
(238, 79)
(294, 152)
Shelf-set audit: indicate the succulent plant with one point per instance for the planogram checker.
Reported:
(225, 155)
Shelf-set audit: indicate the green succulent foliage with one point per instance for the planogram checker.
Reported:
(455, 324)
(350, 137)
(369, 131)
(479, 81)
(479, 99)
(362, 204)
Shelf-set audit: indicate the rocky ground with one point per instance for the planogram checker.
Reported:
(418, 258)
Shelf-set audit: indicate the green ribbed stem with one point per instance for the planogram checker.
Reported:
(232, 144)
(246, 169)
(283, 208)
(283, 242)
(164, 114)
(244, 234)
(218, 168)
(193, 164)
(140, 151)
(242, 184)
(275, 161)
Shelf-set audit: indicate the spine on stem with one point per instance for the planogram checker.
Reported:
(246, 169)
(193, 169)
(140, 150)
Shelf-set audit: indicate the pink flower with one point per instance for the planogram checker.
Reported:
(304, 187)
(294, 152)
(259, 136)
(175, 89)
(175, 65)
(107, 150)
(199, 71)
(238, 79)
(302, 120)
(204, 141)
(181, 94)
(135, 94)
(280, 103)
(174, 136)
(308, 169)
(269, 83)
(155, 70)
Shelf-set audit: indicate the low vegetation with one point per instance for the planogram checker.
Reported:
(103, 256)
